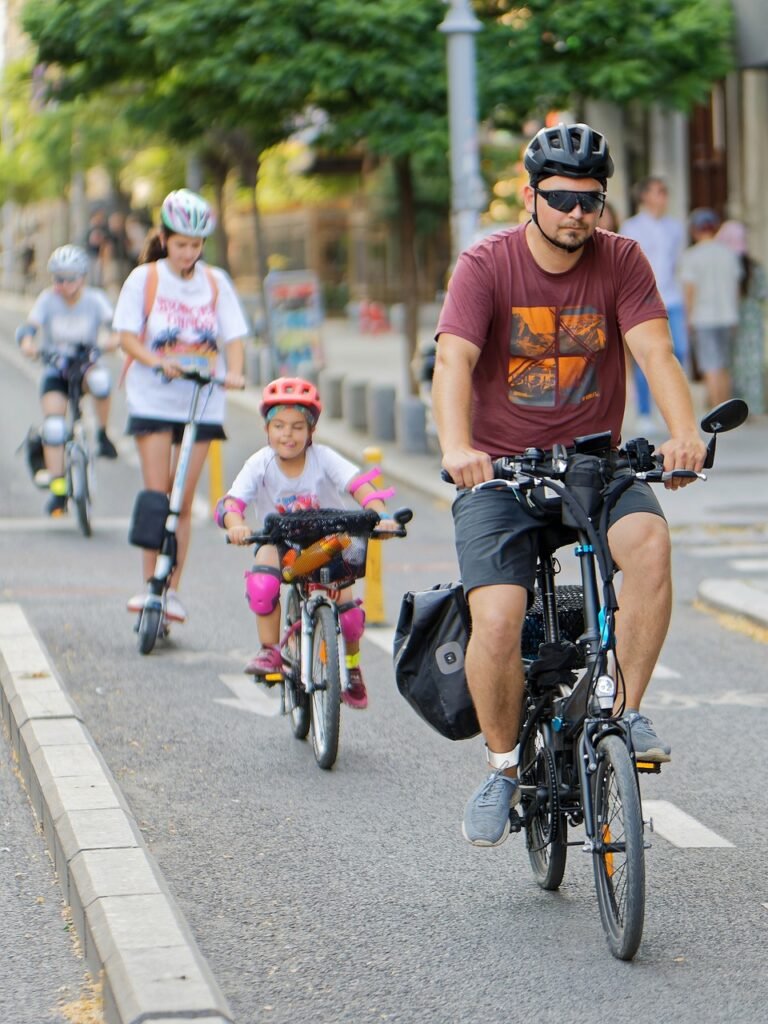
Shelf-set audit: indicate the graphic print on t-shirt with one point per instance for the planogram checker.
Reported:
(296, 502)
(199, 320)
(553, 355)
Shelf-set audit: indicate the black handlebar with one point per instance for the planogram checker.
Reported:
(401, 516)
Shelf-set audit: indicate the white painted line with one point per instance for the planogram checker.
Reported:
(381, 636)
(727, 550)
(680, 828)
(662, 672)
(766, 906)
(736, 597)
(250, 696)
(66, 524)
(750, 564)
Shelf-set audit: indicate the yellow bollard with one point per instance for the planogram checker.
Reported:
(373, 597)
(215, 474)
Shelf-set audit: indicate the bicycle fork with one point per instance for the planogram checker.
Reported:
(307, 636)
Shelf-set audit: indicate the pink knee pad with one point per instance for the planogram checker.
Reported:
(262, 588)
(352, 621)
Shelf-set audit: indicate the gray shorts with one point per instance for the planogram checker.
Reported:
(713, 346)
(497, 537)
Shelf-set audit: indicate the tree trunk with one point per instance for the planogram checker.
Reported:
(220, 231)
(408, 271)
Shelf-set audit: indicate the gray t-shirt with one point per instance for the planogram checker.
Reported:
(63, 326)
(714, 272)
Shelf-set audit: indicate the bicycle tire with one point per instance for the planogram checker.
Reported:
(79, 489)
(619, 868)
(326, 676)
(149, 629)
(546, 827)
(294, 693)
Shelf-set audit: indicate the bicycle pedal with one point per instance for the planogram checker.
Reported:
(515, 821)
(648, 767)
(272, 678)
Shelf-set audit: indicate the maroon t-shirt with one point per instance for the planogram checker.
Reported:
(551, 364)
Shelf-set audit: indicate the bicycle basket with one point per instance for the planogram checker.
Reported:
(327, 546)
(570, 615)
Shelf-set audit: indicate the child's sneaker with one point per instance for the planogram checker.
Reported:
(105, 448)
(267, 662)
(174, 609)
(56, 505)
(137, 602)
(355, 695)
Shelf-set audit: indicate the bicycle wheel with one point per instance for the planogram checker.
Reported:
(149, 629)
(296, 698)
(326, 699)
(79, 489)
(619, 861)
(546, 828)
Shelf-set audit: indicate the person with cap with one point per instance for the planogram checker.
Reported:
(174, 312)
(710, 273)
(749, 347)
(530, 353)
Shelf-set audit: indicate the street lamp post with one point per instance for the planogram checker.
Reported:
(467, 192)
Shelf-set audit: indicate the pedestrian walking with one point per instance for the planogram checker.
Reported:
(749, 344)
(662, 239)
(711, 273)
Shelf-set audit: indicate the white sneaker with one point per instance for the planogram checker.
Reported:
(136, 603)
(174, 609)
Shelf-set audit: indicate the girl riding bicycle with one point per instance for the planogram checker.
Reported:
(67, 314)
(174, 313)
(290, 474)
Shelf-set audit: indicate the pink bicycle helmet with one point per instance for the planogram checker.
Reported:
(187, 213)
(291, 391)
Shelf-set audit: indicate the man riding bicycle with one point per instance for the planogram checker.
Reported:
(530, 354)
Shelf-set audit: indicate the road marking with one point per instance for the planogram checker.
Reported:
(680, 828)
(750, 564)
(727, 550)
(250, 696)
(66, 524)
(662, 672)
(381, 636)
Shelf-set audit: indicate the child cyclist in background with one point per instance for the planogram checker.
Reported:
(68, 314)
(291, 474)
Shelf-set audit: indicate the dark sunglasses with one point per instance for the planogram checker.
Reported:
(58, 279)
(565, 201)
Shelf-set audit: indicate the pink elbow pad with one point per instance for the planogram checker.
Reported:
(363, 478)
(377, 495)
(238, 505)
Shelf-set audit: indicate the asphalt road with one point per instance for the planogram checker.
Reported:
(350, 895)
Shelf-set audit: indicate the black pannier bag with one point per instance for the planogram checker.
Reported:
(150, 510)
(430, 642)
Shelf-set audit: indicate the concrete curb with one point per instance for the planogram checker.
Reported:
(736, 597)
(130, 927)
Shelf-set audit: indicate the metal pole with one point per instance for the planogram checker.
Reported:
(467, 190)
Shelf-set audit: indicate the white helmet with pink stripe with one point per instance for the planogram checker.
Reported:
(187, 213)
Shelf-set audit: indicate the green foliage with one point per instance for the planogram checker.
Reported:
(542, 54)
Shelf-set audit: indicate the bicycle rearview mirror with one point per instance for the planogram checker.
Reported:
(726, 416)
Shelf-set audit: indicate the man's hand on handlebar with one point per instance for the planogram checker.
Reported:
(468, 466)
(234, 381)
(685, 452)
(29, 348)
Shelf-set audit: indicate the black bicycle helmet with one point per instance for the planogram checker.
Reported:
(572, 150)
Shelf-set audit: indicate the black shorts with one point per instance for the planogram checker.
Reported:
(138, 426)
(53, 381)
(497, 537)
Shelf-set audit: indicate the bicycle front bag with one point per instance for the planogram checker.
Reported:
(150, 511)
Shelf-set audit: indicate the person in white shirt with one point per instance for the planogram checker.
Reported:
(65, 315)
(711, 273)
(663, 240)
(291, 474)
(173, 313)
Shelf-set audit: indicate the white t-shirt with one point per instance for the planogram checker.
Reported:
(323, 482)
(63, 326)
(715, 273)
(185, 324)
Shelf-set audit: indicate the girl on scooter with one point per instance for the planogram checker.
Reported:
(67, 314)
(173, 313)
(291, 474)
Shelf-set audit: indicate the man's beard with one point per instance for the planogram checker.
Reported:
(566, 247)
